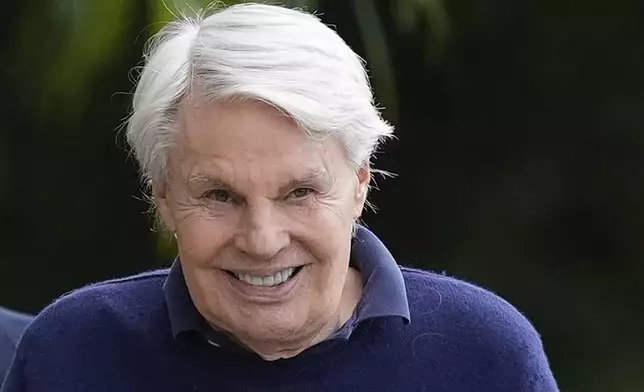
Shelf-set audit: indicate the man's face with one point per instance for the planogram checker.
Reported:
(263, 216)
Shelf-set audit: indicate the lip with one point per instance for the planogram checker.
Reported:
(266, 294)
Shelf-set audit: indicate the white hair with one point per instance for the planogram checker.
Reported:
(284, 57)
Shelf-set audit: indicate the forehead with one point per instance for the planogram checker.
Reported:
(250, 140)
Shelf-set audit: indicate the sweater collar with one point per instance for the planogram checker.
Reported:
(384, 293)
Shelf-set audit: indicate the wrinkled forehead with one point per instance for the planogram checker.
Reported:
(251, 143)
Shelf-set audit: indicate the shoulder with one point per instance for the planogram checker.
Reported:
(463, 304)
(98, 309)
(488, 331)
(90, 331)
(115, 295)
(12, 323)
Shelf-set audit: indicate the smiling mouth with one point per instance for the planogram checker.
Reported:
(276, 279)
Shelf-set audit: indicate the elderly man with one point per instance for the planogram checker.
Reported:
(254, 129)
(12, 324)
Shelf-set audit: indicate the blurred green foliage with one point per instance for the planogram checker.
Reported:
(520, 156)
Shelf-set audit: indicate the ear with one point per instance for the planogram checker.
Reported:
(363, 177)
(160, 195)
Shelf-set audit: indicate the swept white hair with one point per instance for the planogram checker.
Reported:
(284, 57)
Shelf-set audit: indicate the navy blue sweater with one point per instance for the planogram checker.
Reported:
(11, 326)
(116, 336)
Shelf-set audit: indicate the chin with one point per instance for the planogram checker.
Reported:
(277, 344)
(272, 328)
(279, 355)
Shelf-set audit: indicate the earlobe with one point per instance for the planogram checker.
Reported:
(362, 188)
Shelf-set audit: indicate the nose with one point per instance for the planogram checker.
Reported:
(261, 235)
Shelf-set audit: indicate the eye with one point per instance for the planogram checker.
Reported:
(219, 195)
(300, 193)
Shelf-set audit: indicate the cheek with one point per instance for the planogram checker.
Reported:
(327, 235)
(327, 211)
(200, 238)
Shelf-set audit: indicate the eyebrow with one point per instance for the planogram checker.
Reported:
(317, 178)
(202, 178)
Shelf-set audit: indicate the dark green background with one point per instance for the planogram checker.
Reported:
(519, 159)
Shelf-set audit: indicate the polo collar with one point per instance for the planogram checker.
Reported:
(384, 293)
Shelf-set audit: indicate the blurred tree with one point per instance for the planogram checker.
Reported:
(67, 176)
(520, 155)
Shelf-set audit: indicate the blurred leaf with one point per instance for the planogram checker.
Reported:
(94, 34)
(307, 5)
(378, 55)
(165, 11)
(409, 12)
(407, 17)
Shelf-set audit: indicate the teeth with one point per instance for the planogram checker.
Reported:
(279, 277)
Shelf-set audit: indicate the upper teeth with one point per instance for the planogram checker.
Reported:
(279, 277)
